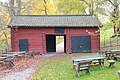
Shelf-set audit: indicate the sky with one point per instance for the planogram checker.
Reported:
(3, 0)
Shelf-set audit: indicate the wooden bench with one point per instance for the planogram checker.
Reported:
(9, 63)
(101, 53)
(116, 55)
(84, 65)
(8, 60)
(111, 62)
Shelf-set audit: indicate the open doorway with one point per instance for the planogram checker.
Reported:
(56, 43)
(59, 43)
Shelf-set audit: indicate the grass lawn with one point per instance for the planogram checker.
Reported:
(60, 68)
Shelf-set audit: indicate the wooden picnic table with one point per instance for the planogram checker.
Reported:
(110, 54)
(88, 58)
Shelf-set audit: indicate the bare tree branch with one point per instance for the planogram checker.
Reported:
(111, 2)
(19, 7)
(45, 6)
(90, 6)
(69, 11)
(86, 3)
(3, 5)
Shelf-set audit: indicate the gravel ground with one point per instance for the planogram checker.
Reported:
(24, 68)
(22, 75)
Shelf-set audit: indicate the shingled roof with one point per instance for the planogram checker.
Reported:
(54, 21)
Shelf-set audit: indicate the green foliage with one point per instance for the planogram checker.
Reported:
(62, 69)
(105, 34)
(59, 39)
(44, 7)
(70, 7)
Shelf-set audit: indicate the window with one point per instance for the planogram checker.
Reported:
(59, 30)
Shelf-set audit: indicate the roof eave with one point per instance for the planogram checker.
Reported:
(9, 26)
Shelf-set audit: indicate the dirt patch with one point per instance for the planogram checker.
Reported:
(24, 65)
(20, 64)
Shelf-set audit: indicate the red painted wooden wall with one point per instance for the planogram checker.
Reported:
(37, 39)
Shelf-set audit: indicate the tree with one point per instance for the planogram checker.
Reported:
(44, 7)
(70, 7)
(112, 11)
(7, 11)
(115, 14)
(91, 5)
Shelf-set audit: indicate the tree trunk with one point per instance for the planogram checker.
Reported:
(45, 7)
(19, 7)
(11, 9)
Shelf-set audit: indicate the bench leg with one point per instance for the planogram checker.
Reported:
(9, 64)
(76, 70)
(115, 58)
(119, 74)
(74, 66)
(100, 63)
(111, 65)
(88, 71)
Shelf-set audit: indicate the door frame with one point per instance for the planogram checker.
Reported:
(57, 35)
(50, 39)
(24, 45)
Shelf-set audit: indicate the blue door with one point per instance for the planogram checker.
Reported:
(23, 44)
(81, 43)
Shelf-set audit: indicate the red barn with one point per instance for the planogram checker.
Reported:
(38, 32)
